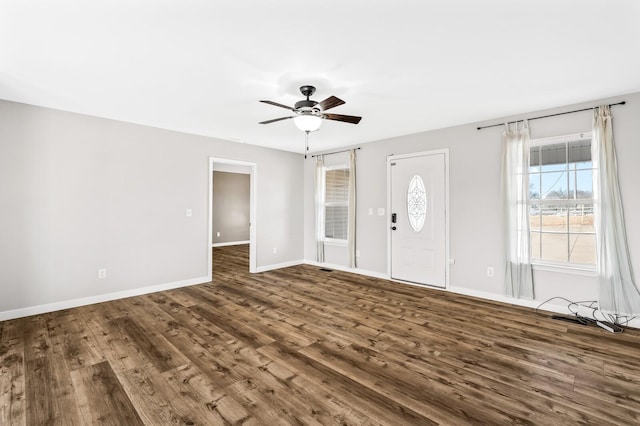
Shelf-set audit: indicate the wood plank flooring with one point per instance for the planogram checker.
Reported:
(304, 346)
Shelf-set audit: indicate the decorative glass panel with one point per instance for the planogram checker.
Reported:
(416, 203)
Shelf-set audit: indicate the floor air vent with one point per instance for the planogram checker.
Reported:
(326, 270)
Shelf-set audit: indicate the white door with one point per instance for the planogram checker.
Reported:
(418, 218)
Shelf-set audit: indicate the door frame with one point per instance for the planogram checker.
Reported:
(393, 157)
(253, 211)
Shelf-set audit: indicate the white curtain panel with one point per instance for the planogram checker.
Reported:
(515, 186)
(319, 202)
(351, 240)
(619, 294)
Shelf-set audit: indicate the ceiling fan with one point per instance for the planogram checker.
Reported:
(309, 114)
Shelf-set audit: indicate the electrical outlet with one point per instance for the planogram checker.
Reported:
(357, 253)
(217, 234)
(489, 271)
(189, 212)
(102, 273)
(275, 250)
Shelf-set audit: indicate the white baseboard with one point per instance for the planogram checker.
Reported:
(279, 265)
(74, 303)
(548, 307)
(634, 323)
(347, 269)
(231, 243)
(559, 309)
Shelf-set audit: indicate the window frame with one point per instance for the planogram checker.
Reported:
(550, 265)
(325, 204)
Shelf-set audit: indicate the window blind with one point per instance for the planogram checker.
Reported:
(336, 203)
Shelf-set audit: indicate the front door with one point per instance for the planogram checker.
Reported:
(419, 218)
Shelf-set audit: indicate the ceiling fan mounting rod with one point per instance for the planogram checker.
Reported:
(307, 91)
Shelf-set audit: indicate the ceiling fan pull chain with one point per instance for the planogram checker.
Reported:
(306, 143)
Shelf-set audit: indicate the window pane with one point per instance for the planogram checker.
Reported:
(554, 218)
(580, 153)
(534, 186)
(534, 159)
(581, 184)
(336, 222)
(535, 217)
(582, 249)
(554, 185)
(535, 245)
(555, 247)
(554, 167)
(553, 157)
(581, 218)
(336, 185)
(584, 165)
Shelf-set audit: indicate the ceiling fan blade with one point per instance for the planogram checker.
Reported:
(275, 119)
(330, 102)
(346, 118)
(278, 105)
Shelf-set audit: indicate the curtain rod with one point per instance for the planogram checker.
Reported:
(335, 152)
(546, 116)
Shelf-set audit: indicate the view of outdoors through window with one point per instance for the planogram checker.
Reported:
(561, 203)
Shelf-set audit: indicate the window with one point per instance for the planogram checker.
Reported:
(561, 201)
(336, 203)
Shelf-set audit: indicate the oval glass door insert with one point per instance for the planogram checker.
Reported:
(416, 203)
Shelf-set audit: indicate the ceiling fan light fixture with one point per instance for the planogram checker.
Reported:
(307, 122)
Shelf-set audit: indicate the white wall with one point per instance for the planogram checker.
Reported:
(80, 193)
(476, 234)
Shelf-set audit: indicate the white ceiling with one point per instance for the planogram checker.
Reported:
(200, 66)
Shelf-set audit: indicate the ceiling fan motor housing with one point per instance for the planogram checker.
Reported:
(306, 104)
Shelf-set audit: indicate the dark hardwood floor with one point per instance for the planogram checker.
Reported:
(303, 346)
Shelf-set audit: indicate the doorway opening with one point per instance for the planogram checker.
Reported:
(232, 223)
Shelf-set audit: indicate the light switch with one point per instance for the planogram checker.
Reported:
(189, 212)
(380, 211)
(370, 211)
